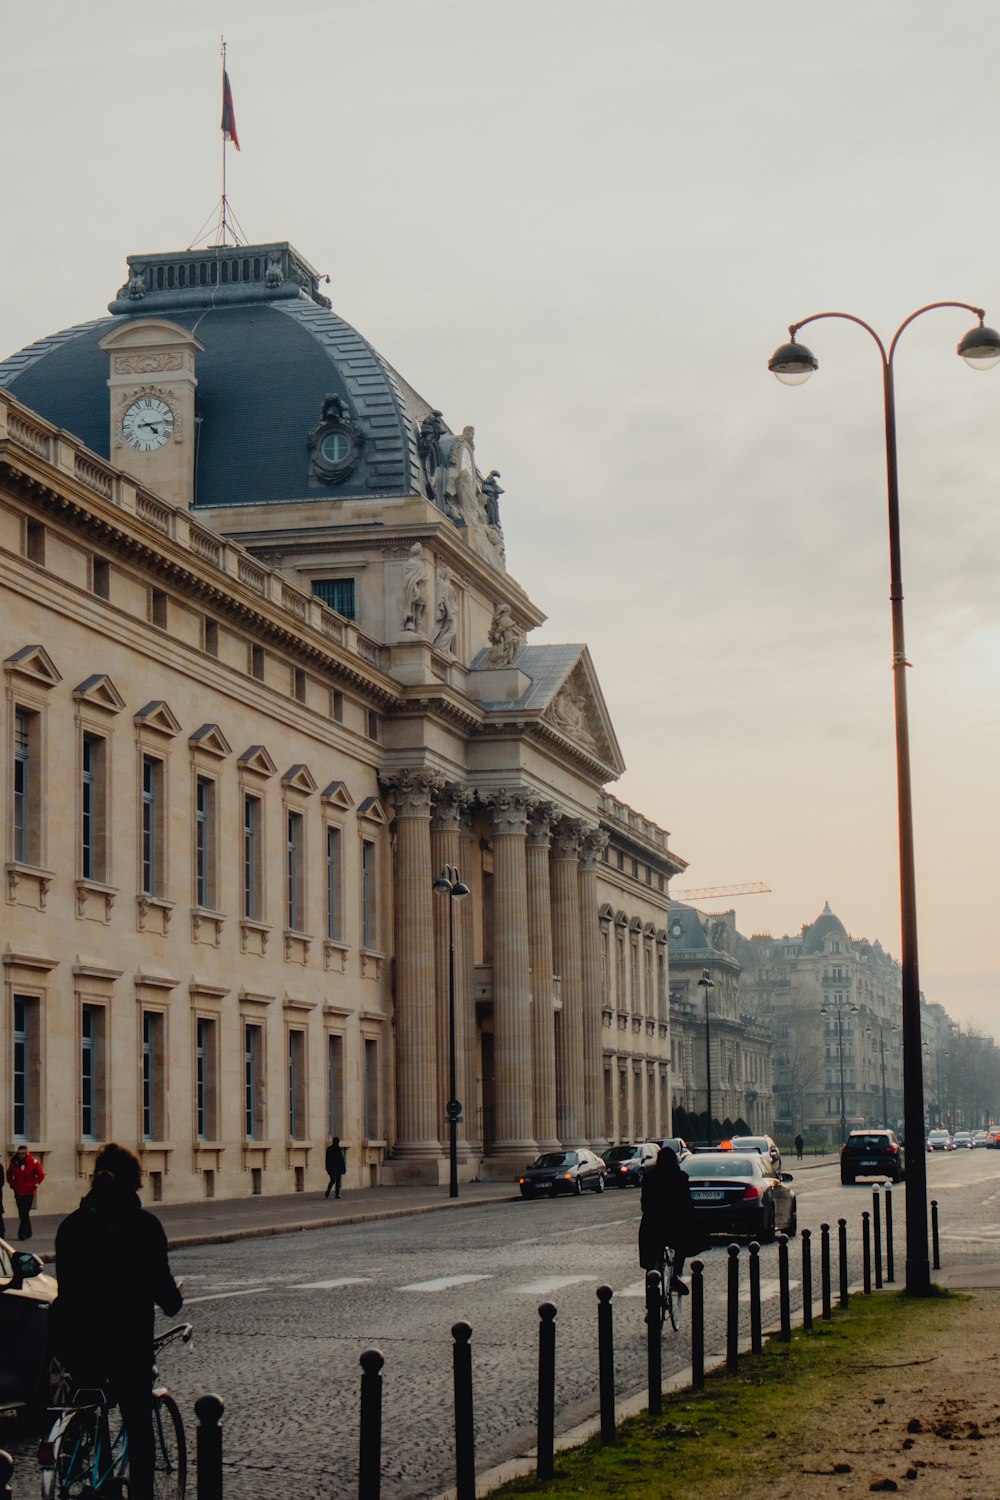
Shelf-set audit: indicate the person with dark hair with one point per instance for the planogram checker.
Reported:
(336, 1166)
(113, 1271)
(25, 1175)
(667, 1216)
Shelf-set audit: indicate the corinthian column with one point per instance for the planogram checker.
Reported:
(511, 978)
(448, 848)
(419, 1122)
(592, 848)
(543, 1016)
(566, 954)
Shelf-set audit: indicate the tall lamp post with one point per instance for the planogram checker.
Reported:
(869, 1031)
(448, 884)
(706, 982)
(838, 1006)
(792, 363)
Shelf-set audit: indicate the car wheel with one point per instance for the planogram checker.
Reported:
(768, 1230)
(577, 1187)
(846, 1179)
(599, 1185)
(526, 1193)
(793, 1224)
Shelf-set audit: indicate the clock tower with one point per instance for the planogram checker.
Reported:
(152, 384)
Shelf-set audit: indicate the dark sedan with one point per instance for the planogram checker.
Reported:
(29, 1377)
(563, 1172)
(740, 1194)
(627, 1165)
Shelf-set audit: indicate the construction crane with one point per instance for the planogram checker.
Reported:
(711, 892)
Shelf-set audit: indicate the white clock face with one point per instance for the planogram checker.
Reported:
(148, 424)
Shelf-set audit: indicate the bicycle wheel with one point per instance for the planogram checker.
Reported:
(673, 1302)
(169, 1450)
(71, 1474)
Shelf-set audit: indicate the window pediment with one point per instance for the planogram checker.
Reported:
(99, 692)
(256, 759)
(34, 662)
(159, 717)
(372, 809)
(211, 739)
(299, 778)
(338, 795)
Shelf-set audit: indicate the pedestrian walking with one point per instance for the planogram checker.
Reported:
(336, 1166)
(799, 1146)
(113, 1272)
(667, 1216)
(25, 1174)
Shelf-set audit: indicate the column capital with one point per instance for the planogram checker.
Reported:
(541, 816)
(592, 846)
(412, 791)
(509, 807)
(452, 803)
(566, 839)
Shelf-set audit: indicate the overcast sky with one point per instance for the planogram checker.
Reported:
(583, 227)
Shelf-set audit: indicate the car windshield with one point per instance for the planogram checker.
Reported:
(622, 1153)
(556, 1159)
(719, 1166)
(869, 1142)
(751, 1143)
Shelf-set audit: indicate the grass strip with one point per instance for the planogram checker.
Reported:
(724, 1441)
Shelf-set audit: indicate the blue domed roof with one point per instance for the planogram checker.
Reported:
(825, 925)
(274, 350)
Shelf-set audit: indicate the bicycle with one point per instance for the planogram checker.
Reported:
(86, 1453)
(670, 1301)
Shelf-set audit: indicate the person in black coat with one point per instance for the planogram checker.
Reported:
(336, 1166)
(113, 1271)
(667, 1216)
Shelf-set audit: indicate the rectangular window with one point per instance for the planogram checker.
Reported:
(334, 1085)
(253, 1105)
(93, 807)
(152, 826)
(206, 1106)
(369, 903)
(26, 1078)
(158, 608)
(296, 1085)
(333, 885)
(296, 872)
(370, 1103)
(152, 1076)
(336, 706)
(298, 684)
(338, 593)
(34, 542)
(100, 577)
(374, 723)
(211, 637)
(27, 841)
(252, 872)
(205, 893)
(92, 1072)
(257, 662)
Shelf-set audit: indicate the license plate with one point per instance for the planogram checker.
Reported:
(869, 1163)
(706, 1193)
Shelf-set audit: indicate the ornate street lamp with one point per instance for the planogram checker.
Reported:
(870, 1031)
(838, 1006)
(793, 364)
(449, 884)
(706, 982)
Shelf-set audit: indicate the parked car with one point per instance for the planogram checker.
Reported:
(30, 1377)
(627, 1164)
(677, 1145)
(980, 1137)
(740, 1192)
(762, 1143)
(557, 1172)
(940, 1140)
(962, 1140)
(872, 1153)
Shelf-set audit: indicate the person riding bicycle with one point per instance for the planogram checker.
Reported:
(112, 1267)
(667, 1216)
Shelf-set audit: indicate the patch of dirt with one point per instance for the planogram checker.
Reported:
(922, 1419)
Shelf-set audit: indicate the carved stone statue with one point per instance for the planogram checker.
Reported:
(568, 711)
(491, 497)
(445, 614)
(460, 489)
(432, 430)
(415, 575)
(504, 636)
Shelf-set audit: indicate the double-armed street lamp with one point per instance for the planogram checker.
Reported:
(824, 1010)
(793, 363)
(449, 884)
(707, 983)
(869, 1031)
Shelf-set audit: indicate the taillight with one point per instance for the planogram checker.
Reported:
(893, 1150)
(752, 1192)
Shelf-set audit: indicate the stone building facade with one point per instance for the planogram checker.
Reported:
(266, 675)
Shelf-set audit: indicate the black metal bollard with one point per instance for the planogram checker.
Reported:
(842, 1246)
(465, 1436)
(606, 1363)
(698, 1325)
(784, 1290)
(935, 1237)
(370, 1458)
(756, 1339)
(654, 1364)
(6, 1474)
(889, 1266)
(733, 1312)
(866, 1251)
(546, 1390)
(807, 1279)
(824, 1254)
(877, 1236)
(208, 1444)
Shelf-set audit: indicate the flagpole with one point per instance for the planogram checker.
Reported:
(224, 144)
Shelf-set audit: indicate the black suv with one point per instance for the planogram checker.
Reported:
(872, 1153)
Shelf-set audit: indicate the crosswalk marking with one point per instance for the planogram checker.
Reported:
(323, 1286)
(551, 1284)
(441, 1283)
(218, 1296)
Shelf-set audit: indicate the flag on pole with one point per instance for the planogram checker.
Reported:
(228, 113)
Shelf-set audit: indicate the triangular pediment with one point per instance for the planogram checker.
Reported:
(299, 778)
(372, 809)
(621, 920)
(159, 717)
(256, 759)
(338, 795)
(606, 913)
(211, 739)
(36, 663)
(578, 711)
(99, 692)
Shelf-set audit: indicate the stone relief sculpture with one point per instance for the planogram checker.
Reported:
(568, 712)
(465, 500)
(504, 636)
(445, 613)
(415, 575)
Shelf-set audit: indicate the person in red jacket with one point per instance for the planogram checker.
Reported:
(24, 1175)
